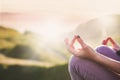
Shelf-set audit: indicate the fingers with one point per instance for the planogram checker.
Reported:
(82, 43)
(73, 41)
(67, 43)
(111, 40)
(70, 46)
(104, 42)
(108, 39)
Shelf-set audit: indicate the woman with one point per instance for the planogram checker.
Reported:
(89, 64)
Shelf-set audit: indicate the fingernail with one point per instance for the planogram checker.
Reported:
(78, 36)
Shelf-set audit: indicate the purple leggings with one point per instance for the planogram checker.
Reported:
(83, 69)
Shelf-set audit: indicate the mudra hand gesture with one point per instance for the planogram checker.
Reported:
(114, 44)
(87, 52)
(84, 52)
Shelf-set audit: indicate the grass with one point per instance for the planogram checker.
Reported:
(34, 73)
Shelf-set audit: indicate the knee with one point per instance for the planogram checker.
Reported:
(73, 69)
(105, 50)
(77, 68)
(79, 65)
(74, 64)
(83, 68)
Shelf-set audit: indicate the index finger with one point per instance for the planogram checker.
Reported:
(82, 43)
(112, 41)
(73, 41)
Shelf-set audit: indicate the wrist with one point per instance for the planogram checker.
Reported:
(97, 58)
(94, 56)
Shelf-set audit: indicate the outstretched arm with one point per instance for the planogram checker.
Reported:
(87, 52)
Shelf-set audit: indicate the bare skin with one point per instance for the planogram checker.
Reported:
(114, 44)
(89, 53)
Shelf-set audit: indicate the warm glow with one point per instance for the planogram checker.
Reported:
(64, 7)
(50, 30)
(72, 11)
(107, 21)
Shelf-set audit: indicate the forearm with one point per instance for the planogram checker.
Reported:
(108, 62)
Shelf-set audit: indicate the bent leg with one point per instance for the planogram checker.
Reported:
(108, 52)
(83, 69)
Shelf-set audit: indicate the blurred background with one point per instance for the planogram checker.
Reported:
(32, 34)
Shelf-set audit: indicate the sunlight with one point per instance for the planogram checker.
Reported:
(107, 21)
(51, 30)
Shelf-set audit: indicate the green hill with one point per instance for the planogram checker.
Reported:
(30, 46)
(26, 57)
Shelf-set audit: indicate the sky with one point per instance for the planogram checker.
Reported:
(53, 16)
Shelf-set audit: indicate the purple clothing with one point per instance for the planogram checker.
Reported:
(83, 69)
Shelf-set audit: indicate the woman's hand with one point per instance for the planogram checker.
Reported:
(84, 52)
(114, 44)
